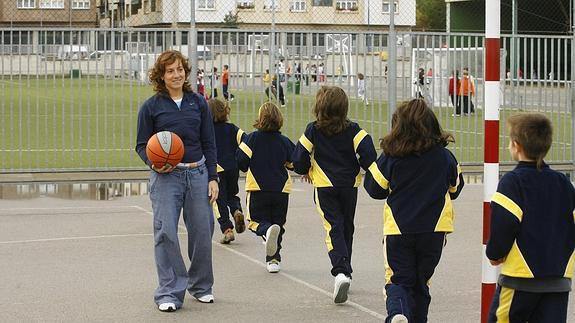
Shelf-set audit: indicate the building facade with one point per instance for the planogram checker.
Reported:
(48, 13)
(255, 14)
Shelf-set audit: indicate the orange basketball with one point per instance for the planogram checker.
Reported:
(165, 147)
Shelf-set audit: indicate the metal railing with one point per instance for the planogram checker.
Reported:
(69, 97)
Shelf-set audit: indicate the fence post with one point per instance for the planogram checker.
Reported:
(491, 145)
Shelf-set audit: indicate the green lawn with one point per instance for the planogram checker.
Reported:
(90, 123)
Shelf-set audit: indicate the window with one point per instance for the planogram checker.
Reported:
(81, 4)
(348, 5)
(386, 6)
(245, 4)
(206, 4)
(322, 3)
(52, 4)
(297, 5)
(268, 4)
(26, 4)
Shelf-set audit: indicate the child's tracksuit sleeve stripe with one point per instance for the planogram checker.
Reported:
(375, 183)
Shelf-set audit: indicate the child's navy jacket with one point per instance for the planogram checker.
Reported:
(419, 190)
(334, 161)
(264, 155)
(228, 139)
(533, 226)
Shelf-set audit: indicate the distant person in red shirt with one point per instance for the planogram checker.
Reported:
(225, 83)
(453, 88)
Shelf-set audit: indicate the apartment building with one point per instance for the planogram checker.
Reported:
(257, 14)
(48, 13)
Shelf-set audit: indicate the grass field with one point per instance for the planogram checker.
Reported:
(90, 123)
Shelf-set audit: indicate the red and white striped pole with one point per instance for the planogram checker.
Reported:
(491, 150)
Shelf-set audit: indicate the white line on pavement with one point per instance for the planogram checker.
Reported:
(288, 276)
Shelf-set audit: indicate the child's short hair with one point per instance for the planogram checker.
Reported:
(414, 129)
(270, 118)
(533, 131)
(220, 110)
(360, 76)
(330, 110)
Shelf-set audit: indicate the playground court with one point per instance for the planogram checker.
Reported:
(92, 261)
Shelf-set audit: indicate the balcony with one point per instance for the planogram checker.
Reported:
(346, 7)
(246, 6)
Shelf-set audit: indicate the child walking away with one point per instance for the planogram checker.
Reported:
(532, 230)
(361, 92)
(228, 139)
(265, 155)
(419, 177)
(226, 83)
(214, 83)
(329, 154)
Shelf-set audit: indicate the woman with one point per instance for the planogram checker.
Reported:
(191, 185)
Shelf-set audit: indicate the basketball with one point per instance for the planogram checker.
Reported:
(165, 147)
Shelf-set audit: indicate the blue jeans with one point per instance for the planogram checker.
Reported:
(170, 193)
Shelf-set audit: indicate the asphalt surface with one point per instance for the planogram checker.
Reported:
(66, 260)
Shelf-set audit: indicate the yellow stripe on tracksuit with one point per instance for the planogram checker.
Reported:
(216, 210)
(306, 143)
(252, 225)
(508, 204)
(239, 135)
(246, 149)
(326, 224)
(515, 264)
(453, 189)
(505, 299)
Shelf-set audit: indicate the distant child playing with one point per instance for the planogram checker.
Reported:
(265, 155)
(330, 153)
(228, 139)
(419, 177)
(361, 92)
(532, 230)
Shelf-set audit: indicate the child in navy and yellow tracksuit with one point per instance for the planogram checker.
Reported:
(265, 155)
(327, 154)
(419, 177)
(228, 139)
(532, 231)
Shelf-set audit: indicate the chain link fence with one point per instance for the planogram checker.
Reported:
(69, 96)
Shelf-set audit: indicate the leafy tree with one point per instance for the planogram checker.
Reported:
(430, 15)
(231, 20)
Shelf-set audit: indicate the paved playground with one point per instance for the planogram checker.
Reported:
(92, 261)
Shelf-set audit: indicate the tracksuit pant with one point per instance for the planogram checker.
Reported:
(228, 201)
(265, 209)
(171, 193)
(336, 206)
(410, 260)
(514, 306)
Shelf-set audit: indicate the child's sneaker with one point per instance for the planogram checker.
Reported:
(272, 235)
(228, 237)
(239, 220)
(273, 266)
(399, 318)
(340, 289)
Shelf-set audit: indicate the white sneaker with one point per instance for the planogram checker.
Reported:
(399, 318)
(273, 266)
(167, 307)
(272, 235)
(340, 289)
(209, 298)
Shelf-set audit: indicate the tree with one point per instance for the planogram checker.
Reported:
(231, 20)
(430, 15)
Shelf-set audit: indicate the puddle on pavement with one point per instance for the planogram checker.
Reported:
(73, 191)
